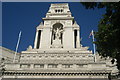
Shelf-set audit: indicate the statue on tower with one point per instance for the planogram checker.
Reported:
(57, 41)
(58, 33)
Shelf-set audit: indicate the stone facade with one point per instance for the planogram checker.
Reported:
(8, 54)
(58, 53)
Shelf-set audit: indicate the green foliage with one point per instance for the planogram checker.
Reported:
(107, 37)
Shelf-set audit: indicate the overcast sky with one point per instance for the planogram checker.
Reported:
(26, 16)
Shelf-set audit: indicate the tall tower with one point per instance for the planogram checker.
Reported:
(58, 29)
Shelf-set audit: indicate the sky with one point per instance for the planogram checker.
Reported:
(26, 16)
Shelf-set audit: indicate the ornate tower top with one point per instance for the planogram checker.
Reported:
(59, 10)
(58, 29)
(60, 5)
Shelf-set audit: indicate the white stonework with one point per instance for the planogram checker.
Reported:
(59, 21)
(57, 51)
(8, 54)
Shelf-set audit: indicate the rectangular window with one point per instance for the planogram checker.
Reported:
(25, 66)
(67, 65)
(38, 65)
(52, 65)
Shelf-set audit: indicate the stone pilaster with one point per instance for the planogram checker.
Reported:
(45, 66)
(35, 43)
(31, 66)
(78, 39)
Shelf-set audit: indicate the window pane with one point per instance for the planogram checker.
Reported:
(52, 65)
(39, 65)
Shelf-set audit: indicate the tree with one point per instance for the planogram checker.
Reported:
(107, 36)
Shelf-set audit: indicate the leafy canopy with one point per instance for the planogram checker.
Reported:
(107, 36)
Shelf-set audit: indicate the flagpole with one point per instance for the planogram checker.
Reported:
(94, 50)
(17, 46)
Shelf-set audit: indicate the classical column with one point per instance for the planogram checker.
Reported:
(36, 38)
(78, 39)
(62, 38)
(73, 39)
(40, 38)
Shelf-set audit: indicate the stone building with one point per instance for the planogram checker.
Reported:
(58, 53)
(7, 54)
